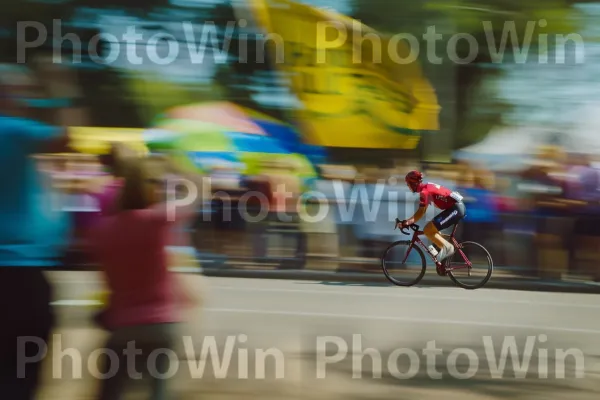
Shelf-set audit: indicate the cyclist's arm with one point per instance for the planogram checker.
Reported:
(418, 215)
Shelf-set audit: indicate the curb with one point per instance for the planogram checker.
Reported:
(375, 279)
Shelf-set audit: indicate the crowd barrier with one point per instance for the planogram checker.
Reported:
(522, 245)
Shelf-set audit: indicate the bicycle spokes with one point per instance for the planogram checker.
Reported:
(470, 266)
(403, 264)
(461, 263)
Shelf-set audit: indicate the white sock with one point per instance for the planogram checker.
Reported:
(442, 253)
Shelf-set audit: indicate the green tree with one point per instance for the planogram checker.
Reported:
(154, 95)
(476, 109)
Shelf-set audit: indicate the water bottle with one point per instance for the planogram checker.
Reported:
(432, 250)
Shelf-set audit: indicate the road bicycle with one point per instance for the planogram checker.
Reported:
(464, 259)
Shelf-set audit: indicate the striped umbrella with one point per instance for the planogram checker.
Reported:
(225, 114)
(288, 135)
(195, 144)
(180, 134)
(241, 119)
(283, 132)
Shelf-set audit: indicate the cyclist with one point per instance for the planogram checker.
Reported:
(451, 204)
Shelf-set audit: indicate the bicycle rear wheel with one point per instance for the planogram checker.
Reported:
(401, 273)
(478, 273)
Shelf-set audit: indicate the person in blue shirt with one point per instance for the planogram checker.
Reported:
(32, 235)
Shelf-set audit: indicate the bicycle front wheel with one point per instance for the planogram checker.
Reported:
(403, 264)
(471, 266)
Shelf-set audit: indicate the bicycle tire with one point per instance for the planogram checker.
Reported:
(487, 276)
(392, 279)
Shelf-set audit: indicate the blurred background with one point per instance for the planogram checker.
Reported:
(516, 135)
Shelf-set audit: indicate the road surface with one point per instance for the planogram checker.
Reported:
(417, 342)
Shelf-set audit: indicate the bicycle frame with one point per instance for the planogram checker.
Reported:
(417, 240)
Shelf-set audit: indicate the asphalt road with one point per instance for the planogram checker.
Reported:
(420, 342)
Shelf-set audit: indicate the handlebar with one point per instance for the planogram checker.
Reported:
(414, 227)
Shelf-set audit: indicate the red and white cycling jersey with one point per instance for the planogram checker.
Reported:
(442, 197)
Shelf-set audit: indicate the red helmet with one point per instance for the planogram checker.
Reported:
(413, 179)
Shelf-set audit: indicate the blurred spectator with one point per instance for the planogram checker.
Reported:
(327, 237)
(92, 196)
(482, 220)
(582, 196)
(145, 298)
(583, 182)
(32, 234)
(258, 204)
(286, 187)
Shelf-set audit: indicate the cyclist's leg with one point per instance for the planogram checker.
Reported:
(444, 220)
(434, 235)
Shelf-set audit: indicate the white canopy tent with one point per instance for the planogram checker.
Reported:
(506, 148)
(584, 135)
(511, 146)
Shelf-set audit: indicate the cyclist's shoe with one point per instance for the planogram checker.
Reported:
(441, 270)
(445, 253)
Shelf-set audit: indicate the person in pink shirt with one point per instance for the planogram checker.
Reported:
(103, 192)
(145, 301)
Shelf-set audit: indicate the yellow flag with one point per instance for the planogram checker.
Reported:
(358, 88)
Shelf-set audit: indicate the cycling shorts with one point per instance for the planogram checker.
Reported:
(449, 217)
